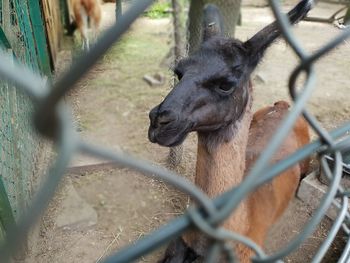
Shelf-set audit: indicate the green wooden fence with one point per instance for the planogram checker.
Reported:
(23, 34)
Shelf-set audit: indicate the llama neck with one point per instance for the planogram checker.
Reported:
(220, 166)
(221, 156)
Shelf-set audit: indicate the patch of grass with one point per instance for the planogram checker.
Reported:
(158, 10)
(136, 49)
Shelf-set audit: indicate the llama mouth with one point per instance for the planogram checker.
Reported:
(167, 138)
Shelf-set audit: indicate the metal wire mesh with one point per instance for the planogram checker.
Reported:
(19, 147)
(19, 142)
(53, 121)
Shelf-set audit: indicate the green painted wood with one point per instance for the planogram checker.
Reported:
(1, 13)
(40, 37)
(18, 142)
(31, 57)
(6, 216)
(2, 233)
(4, 43)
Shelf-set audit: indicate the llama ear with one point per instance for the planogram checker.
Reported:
(212, 24)
(257, 45)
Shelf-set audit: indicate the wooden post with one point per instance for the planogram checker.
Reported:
(39, 32)
(6, 216)
(4, 43)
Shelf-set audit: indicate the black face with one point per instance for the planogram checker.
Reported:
(212, 89)
(211, 93)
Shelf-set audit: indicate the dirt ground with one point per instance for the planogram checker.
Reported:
(111, 106)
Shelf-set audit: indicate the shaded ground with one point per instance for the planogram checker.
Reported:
(111, 106)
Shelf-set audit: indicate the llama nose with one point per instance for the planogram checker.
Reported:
(153, 116)
(160, 118)
(166, 117)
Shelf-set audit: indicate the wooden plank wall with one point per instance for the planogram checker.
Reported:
(53, 22)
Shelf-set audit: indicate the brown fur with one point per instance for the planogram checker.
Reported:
(219, 169)
(93, 11)
(213, 98)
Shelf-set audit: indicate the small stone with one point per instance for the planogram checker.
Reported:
(157, 79)
(260, 78)
(74, 211)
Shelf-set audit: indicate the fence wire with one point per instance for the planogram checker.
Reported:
(19, 143)
(53, 120)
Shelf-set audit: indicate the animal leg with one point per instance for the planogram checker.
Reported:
(178, 252)
(95, 16)
(87, 44)
(83, 28)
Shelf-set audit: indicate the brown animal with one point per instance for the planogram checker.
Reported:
(269, 202)
(86, 13)
(214, 98)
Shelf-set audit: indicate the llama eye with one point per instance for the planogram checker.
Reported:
(226, 89)
(237, 68)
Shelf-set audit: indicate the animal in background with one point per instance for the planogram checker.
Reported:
(214, 99)
(87, 14)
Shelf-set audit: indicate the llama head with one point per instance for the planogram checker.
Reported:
(212, 91)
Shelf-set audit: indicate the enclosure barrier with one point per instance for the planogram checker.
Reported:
(53, 121)
(22, 34)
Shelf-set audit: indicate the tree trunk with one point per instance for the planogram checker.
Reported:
(175, 153)
(230, 10)
(179, 22)
(118, 9)
(347, 16)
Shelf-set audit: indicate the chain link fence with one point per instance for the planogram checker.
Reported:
(19, 143)
(52, 120)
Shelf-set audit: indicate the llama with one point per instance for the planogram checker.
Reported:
(86, 13)
(214, 99)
